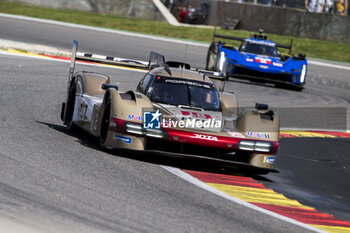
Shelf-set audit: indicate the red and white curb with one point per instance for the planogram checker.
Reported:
(251, 194)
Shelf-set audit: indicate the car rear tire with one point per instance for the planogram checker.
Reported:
(70, 107)
(212, 57)
(105, 120)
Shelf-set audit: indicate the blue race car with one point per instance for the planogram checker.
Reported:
(257, 59)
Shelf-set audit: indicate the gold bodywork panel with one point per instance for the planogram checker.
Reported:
(252, 125)
(229, 104)
(92, 83)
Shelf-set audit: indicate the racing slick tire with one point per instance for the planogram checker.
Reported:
(70, 107)
(105, 121)
(212, 57)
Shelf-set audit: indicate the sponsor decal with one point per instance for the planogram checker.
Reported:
(263, 60)
(151, 120)
(205, 137)
(235, 134)
(269, 159)
(122, 139)
(263, 67)
(258, 135)
(187, 82)
(112, 124)
(134, 117)
(277, 64)
(249, 59)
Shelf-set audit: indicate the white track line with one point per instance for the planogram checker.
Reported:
(202, 185)
(134, 34)
(317, 63)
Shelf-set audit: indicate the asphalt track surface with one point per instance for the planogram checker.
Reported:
(62, 181)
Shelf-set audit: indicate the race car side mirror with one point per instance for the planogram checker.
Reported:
(260, 106)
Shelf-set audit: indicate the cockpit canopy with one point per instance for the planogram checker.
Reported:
(186, 92)
(259, 47)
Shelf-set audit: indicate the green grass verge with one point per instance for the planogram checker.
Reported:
(312, 48)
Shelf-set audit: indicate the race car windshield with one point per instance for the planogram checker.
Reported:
(259, 49)
(176, 91)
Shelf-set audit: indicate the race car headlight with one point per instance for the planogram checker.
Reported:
(156, 133)
(246, 145)
(138, 129)
(303, 74)
(133, 128)
(257, 146)
(222, 61)
(263, 146)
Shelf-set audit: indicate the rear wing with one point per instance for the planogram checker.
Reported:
(227, 37)
(155, 60)
(255, 36)
(286, 46)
